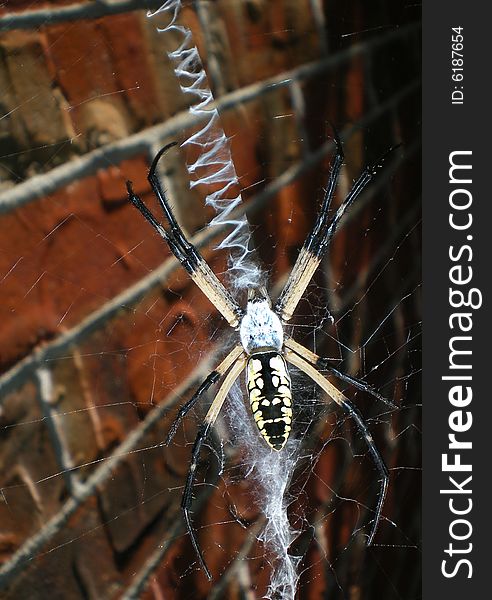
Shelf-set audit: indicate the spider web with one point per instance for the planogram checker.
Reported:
(318, 496)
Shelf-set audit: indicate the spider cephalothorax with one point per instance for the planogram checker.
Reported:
(260, 326)
(263, 349)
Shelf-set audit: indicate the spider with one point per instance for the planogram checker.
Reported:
(263, 348)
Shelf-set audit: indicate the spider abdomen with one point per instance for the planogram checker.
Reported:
(270, 396)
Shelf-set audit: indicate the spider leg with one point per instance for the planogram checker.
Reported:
(322, 363)
(184, 251)
(354, 412)
(307, 261)
(208, 422)
(212, 378)
(319, 239)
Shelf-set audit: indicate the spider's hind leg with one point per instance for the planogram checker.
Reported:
(208, 422)
(323, 363)
(360, 384)
(336, 395)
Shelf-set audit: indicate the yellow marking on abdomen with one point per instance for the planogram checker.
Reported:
(268, 383)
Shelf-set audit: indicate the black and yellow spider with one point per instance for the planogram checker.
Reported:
(263, 349)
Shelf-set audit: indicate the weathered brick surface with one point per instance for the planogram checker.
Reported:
(47, 287)
(30, 77)
(37, 130)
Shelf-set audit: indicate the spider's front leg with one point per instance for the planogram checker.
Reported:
(319, 239)
(185, 252)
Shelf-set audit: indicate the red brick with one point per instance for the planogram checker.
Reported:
(129, 54)
(89, 85)
(30, 85)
